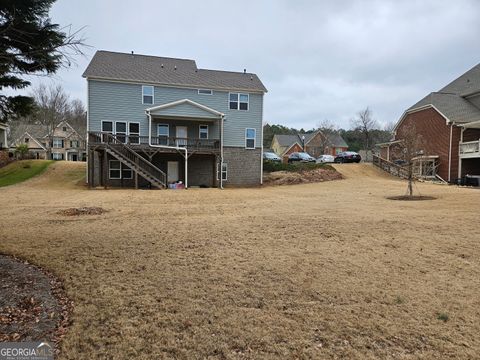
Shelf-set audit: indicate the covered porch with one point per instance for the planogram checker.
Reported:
(469, 151)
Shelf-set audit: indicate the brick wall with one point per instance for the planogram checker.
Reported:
(4, 159)
(436, 137)
(243, 166)
(294, 148)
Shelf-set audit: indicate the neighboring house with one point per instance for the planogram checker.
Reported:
(154, 121)
(67, 142)
(3, 136)
(315, 144)
(449, 123)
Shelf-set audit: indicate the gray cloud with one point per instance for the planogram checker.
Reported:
(319, 60)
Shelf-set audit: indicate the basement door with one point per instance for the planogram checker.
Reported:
(172, 171)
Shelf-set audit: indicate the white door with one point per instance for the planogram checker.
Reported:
(181, 134)
(172, 172)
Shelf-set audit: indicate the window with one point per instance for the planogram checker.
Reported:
(107, 127)
(250, 138)
(224, 172)
(26, 140)
(134, 133)
(163, 133)
(64, 128)
(57, 143)
(57, 156)
(147, 95)
(126, 172)
(238, 101)
(205, 92)
(74, 143)
(121, 131)
(203, 132)
(115, 169)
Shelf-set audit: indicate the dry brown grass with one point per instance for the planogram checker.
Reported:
(329, 270)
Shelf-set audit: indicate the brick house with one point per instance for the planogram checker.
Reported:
(315, 144)
(157, 122)
(449, 122)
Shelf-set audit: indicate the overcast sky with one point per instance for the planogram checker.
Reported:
(318, 59)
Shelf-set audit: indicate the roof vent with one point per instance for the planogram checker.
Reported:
(244, 71)
(161, 66)
(175, 68)
(251, 77)
(132, 52)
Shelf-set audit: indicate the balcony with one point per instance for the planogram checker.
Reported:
(142, 142)
(470, 149)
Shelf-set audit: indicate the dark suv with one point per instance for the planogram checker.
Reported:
(300, 157)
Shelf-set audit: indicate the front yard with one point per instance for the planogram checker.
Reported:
(322, 270)
(19, 171)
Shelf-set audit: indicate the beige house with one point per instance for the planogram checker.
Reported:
(3, 135)
(67, 142)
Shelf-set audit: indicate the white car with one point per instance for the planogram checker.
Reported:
(325, 159)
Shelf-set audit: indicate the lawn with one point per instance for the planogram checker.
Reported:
(327, 270)
(19, 171)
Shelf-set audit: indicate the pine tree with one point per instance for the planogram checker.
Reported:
(29, 45)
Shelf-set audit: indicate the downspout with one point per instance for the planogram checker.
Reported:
(222, 118)
(89, 161)
(450, 153)
(166, 146)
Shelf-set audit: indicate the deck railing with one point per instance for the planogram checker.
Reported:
(135, 140)
(470, 148)
(390, 167)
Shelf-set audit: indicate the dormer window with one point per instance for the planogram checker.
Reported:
(147, 95)
(238, 101)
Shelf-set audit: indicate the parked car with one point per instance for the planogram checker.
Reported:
(325, 159)
(271, 156)
(348, 156)
(300, 157)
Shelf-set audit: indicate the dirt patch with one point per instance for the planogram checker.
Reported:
(82, 211)
(33, 305)
(301, 177)
(411, 198)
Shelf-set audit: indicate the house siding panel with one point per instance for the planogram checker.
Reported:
(116, 101)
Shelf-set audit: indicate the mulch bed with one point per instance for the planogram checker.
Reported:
(300, 177)
(82, 211)
(411, 198)
(33, 305)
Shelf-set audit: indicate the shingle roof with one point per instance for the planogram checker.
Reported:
(167, 71)
(465, 84)
(336, 140)
(286, 140)
(453, 106)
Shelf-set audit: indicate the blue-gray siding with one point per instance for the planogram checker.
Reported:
(117, 101)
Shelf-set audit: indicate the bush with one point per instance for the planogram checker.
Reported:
(269, 166)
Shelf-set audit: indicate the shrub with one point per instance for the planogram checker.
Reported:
(270, 166)
(442, 316)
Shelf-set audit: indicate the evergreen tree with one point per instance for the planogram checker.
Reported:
(29, 45)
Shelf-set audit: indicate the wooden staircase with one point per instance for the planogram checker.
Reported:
(390, 167)
(135, 161)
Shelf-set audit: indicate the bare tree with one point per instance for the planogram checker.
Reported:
(365, 123)
(53, 106)
(327, 128)
(410, 148)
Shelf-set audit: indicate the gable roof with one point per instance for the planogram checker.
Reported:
(451, 101)
(167, 71)
(30, 136)
(334, 139)
(186, 107)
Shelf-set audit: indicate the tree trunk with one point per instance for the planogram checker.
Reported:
(410, 180)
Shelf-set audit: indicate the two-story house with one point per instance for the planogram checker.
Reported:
(448, 123)
(3, 135)
(66, 143)
(154, 121)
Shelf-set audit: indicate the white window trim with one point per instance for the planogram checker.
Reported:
(168, 127)
(122, 133)
(153, 94)
(200, 132)
(238, 101)
(110, 170)
(138, 134)
(204, 93)
(55, 154)
(121, 173)
(224, 171)
(254, 138)
(58, 140)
